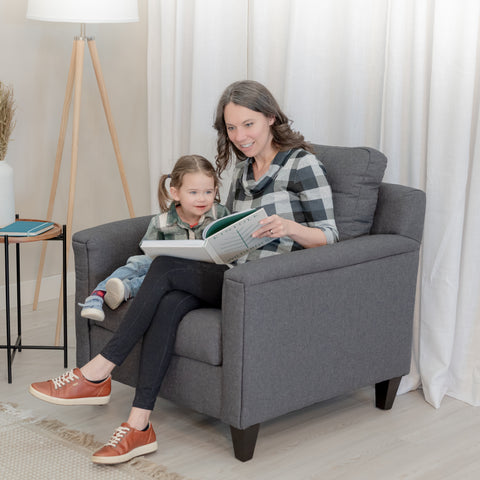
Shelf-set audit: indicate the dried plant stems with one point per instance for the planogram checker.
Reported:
(7, 112)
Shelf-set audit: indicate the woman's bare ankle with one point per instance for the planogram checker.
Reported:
(139, 418)
(99, 368)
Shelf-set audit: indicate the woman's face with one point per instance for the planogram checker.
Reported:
(249, 131)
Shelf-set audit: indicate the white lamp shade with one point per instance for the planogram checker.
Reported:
(83, 11)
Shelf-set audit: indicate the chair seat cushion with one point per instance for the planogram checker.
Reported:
(355, 175)
(199, 335)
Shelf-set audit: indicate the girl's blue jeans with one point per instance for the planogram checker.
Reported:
(132, 274)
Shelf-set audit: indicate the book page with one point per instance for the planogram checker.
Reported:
(192, 249)
(236, 240)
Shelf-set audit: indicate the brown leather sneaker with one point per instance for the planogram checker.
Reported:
(72, 388)
(125, 444)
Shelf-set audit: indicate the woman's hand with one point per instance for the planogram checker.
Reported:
(276, 227)
(273, 226)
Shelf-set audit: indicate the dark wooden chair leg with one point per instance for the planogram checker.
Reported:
(244, 442)
(385, 393)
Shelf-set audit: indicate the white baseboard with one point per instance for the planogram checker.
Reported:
(49, 290)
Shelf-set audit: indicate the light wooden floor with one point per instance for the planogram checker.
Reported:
(345, 438)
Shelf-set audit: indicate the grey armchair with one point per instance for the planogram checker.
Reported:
(294, 329)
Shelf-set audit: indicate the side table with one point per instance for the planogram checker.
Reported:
(55, 233)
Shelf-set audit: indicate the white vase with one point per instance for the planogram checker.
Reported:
(7, 195)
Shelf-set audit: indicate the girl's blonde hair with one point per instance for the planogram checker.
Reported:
(184, 165)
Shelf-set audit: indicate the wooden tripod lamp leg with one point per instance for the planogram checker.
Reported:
(80, 48)
(111, 126)
(75, 136)
(58, 162)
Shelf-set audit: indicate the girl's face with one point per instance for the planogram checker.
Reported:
(249, 131)
(195, 196)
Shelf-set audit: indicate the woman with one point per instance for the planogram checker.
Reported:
(276, 171)
(279, 171)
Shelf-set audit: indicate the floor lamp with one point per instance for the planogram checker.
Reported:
(82, 12)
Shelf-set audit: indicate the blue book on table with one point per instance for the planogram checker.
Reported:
(26, 228)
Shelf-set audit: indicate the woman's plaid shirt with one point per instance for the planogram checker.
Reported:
(295, 188)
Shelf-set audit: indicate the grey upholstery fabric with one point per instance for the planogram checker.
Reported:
(199, 336)
(355, 175)
(299, 348)
(294, 329)
(395, 213)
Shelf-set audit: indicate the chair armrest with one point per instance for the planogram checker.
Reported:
(292, 324)
(98, 252)
(313, 260)
(400, 210)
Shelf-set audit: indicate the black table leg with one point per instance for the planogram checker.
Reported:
(7, 310)
(19, 300)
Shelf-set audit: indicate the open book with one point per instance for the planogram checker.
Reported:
(225, 240)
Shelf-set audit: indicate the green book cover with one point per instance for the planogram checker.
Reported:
(224, 222)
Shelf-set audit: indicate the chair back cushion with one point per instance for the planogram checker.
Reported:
(354, 174)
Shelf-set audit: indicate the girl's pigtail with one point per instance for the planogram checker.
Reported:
(163, 195)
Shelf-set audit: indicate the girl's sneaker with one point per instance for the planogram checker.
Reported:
(93, 308)
(115, 295)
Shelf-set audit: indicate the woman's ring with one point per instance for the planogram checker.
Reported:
(271, 232)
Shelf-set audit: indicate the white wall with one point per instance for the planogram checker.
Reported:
(34, 60)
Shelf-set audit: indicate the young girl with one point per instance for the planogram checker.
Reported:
(194, 190)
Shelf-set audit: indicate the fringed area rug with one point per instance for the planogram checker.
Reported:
(42, 449)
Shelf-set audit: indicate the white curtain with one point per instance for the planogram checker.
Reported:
(402, 76)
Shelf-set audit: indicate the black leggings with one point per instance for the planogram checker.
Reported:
(172, 287)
